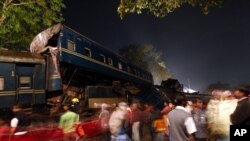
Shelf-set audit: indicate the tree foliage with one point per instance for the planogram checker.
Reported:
(21, 20)
(161, 8)
(148, 58)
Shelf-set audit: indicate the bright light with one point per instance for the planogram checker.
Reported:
(188, 90)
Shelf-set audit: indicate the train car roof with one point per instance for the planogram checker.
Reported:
(20, 57)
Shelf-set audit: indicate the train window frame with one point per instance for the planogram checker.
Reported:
(110, 62)
(120, 65)
(2, 82)
(89, 54)
(102, 58)
(71, 45)
(20, 83)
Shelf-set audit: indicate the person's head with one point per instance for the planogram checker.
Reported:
(134, 106)
(181, 100)
(204, 105)
(66, 107)
(16, 108)
(242, 91)
(222, 94)
(197, 103)
(170, 104)
(75, 100)
(122, 106)
(104, 106)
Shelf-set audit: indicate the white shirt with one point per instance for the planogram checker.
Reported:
(14, 124)
(189, 122)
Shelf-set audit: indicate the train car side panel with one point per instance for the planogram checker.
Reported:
(7, 84)
(39, 84)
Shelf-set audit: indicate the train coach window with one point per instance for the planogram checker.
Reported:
(110, 61)
(71, 45)
(24, 82)
(87, 52)
(120, 65)
(1, 83)
(102, 58)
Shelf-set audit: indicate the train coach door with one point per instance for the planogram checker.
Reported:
(24, 80)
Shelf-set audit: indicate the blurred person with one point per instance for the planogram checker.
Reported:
(219, 109)
(153, 116)
(182, 126)
(200, 119)
(159, 126)
(189, 107)
(104, 120)
(167, 108)
(68, 123)
(75, 105)
(20, 121)
(241, 115)
(104, 117)
(117, 123)
(135, 121)
(146, 126)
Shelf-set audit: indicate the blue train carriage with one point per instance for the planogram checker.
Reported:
(80, 51)
(22, 78)
(80, 57)
(83, 62)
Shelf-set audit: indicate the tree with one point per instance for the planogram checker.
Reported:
(21, 20)
(147, 58)
(161, 8)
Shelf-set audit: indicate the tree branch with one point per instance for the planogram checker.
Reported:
(23, 3)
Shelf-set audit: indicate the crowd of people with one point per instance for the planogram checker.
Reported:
(178, 120)
(182, 120)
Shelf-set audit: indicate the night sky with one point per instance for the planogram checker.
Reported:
(202, 48)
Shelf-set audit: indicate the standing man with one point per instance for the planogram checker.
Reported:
(68, 123)
(241, 115)
(135, 119)
(182, 126)
(200, 119)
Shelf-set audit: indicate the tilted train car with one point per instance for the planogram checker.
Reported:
(78, 56)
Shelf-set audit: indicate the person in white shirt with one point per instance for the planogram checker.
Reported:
(182, 126)
(19, 122)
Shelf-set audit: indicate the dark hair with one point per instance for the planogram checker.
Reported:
(244, 89)
(180, 100)
(196, 100)
(66, 104)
